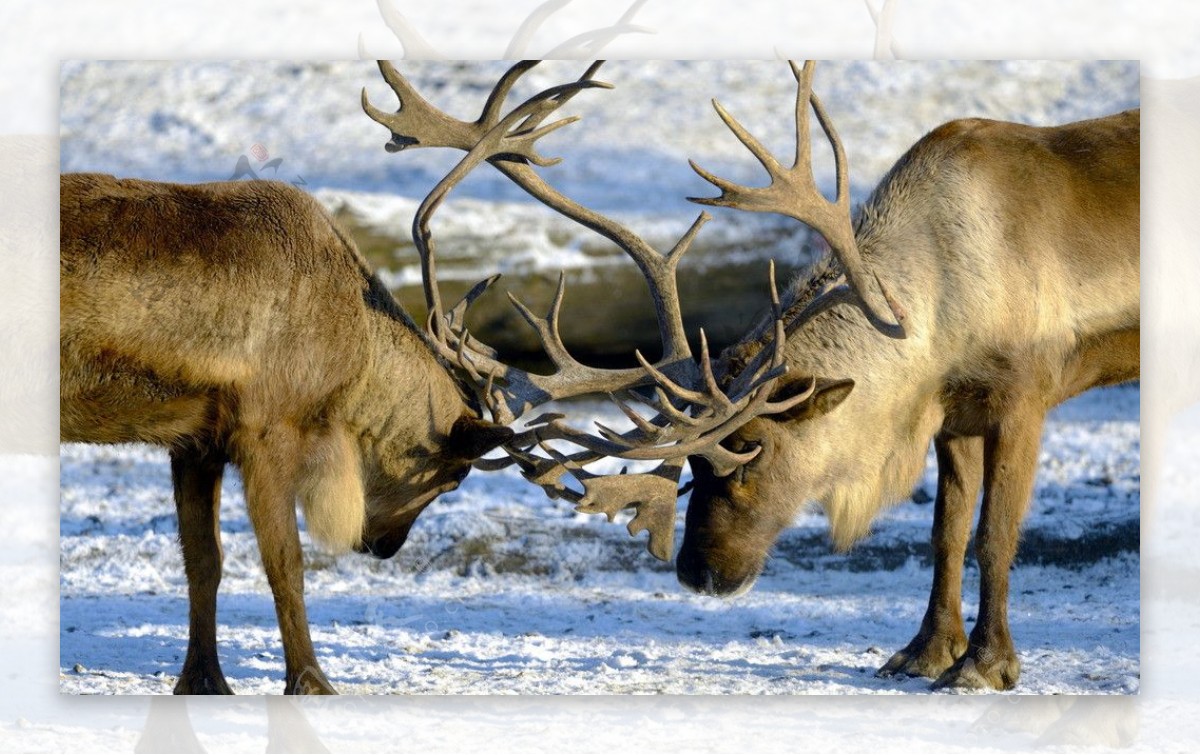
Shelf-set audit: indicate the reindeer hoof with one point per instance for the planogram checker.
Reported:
(982, 669)
(927, 656)
(310, 681)
(201, 684)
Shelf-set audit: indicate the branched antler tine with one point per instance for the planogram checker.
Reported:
(549, 100)
(563, 98)
(648, 428)
(627, 447)
(475, 362)
(547, 327)
(517, 131)
(685, 241)
(664, 406)
(670, 385)
(756, 148)
(725, 462)
(457, 317)
(804, 77)
(495, 101)
(553, 347)
(841, 237)
(774, 407)
(729, 189)
(776, 309)
(716, 395)
(424, 124)
(794, 193)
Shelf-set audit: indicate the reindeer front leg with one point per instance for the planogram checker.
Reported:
(1010, 454)
(270, 469)
(941, 638)
(196, 475)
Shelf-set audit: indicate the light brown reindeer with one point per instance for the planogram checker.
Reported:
(992, 275)
(1012, 252)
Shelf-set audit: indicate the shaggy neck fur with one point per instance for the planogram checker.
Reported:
(873, 446)
(387, 425)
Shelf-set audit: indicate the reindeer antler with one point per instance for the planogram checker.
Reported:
(793, 192)
(691, 413)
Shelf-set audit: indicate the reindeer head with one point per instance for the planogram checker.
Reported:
(735, 515)
(733, 519)
(401, 479)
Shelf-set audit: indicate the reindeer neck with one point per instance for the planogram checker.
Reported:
(405, 393)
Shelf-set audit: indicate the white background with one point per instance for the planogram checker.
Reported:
(35, 36)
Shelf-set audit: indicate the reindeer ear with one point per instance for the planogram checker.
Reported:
(472, 437)
(825, 398)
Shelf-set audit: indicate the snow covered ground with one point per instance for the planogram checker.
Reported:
(500, 590)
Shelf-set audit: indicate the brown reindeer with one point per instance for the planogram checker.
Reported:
(1013, 251)
(992, 275)
(236, 323)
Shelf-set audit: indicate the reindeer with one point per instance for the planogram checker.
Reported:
(1014, 251)
(236, 323)
(992, 275)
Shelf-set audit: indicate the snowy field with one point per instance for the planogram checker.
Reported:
(500, 590)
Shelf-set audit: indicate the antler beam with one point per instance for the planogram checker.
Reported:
(793, 192)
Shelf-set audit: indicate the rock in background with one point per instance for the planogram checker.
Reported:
(607, 311)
